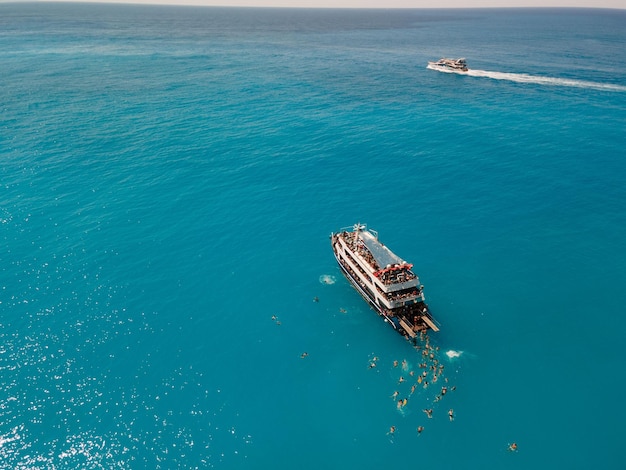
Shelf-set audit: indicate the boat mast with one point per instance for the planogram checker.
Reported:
(357, 227)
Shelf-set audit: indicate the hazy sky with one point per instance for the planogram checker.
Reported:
(386, 3)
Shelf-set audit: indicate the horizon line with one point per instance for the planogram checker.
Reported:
(344, 4)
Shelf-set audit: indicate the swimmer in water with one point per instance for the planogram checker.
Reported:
(404, 402)
(444, 390)
(429, 412)
(451, 414)
(395, 363)
(274, 317)
(343, 310)
(405, 365)
(303, 355)
(392, 429)
(316, 299)
(420, 429)
(372, 365)
(395, 395)
(401, 380)
(513, 447)
(413, 388)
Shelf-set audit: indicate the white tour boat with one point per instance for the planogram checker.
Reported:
(452, 65)
(383, 279)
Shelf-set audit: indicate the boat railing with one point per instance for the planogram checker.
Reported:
(352, 228)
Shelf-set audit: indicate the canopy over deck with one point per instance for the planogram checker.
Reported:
(383, 255)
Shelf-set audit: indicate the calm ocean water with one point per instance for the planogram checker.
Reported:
(169, 180)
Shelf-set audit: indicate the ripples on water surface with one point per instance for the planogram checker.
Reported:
(171, 175)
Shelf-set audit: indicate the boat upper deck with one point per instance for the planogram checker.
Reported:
(382, 255)
(385, 264)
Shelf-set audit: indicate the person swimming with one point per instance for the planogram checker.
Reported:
(420, 429)
(513, 447)
(303, 355)
(451, 414)
(429, 412)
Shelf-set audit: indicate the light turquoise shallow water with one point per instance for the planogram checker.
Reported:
(170, 177)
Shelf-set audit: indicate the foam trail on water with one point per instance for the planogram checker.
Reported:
(536, 79)
(452, 354)
(525, 78)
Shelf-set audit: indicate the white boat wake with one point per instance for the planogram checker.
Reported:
(536, 79)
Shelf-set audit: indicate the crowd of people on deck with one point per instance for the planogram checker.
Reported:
(393, 276)
(401, 294)
(359, 247)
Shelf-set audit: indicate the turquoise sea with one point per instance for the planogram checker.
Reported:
(169, 179)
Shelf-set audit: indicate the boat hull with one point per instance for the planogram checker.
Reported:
(445, 69)
(449, 65)
(365, 295)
